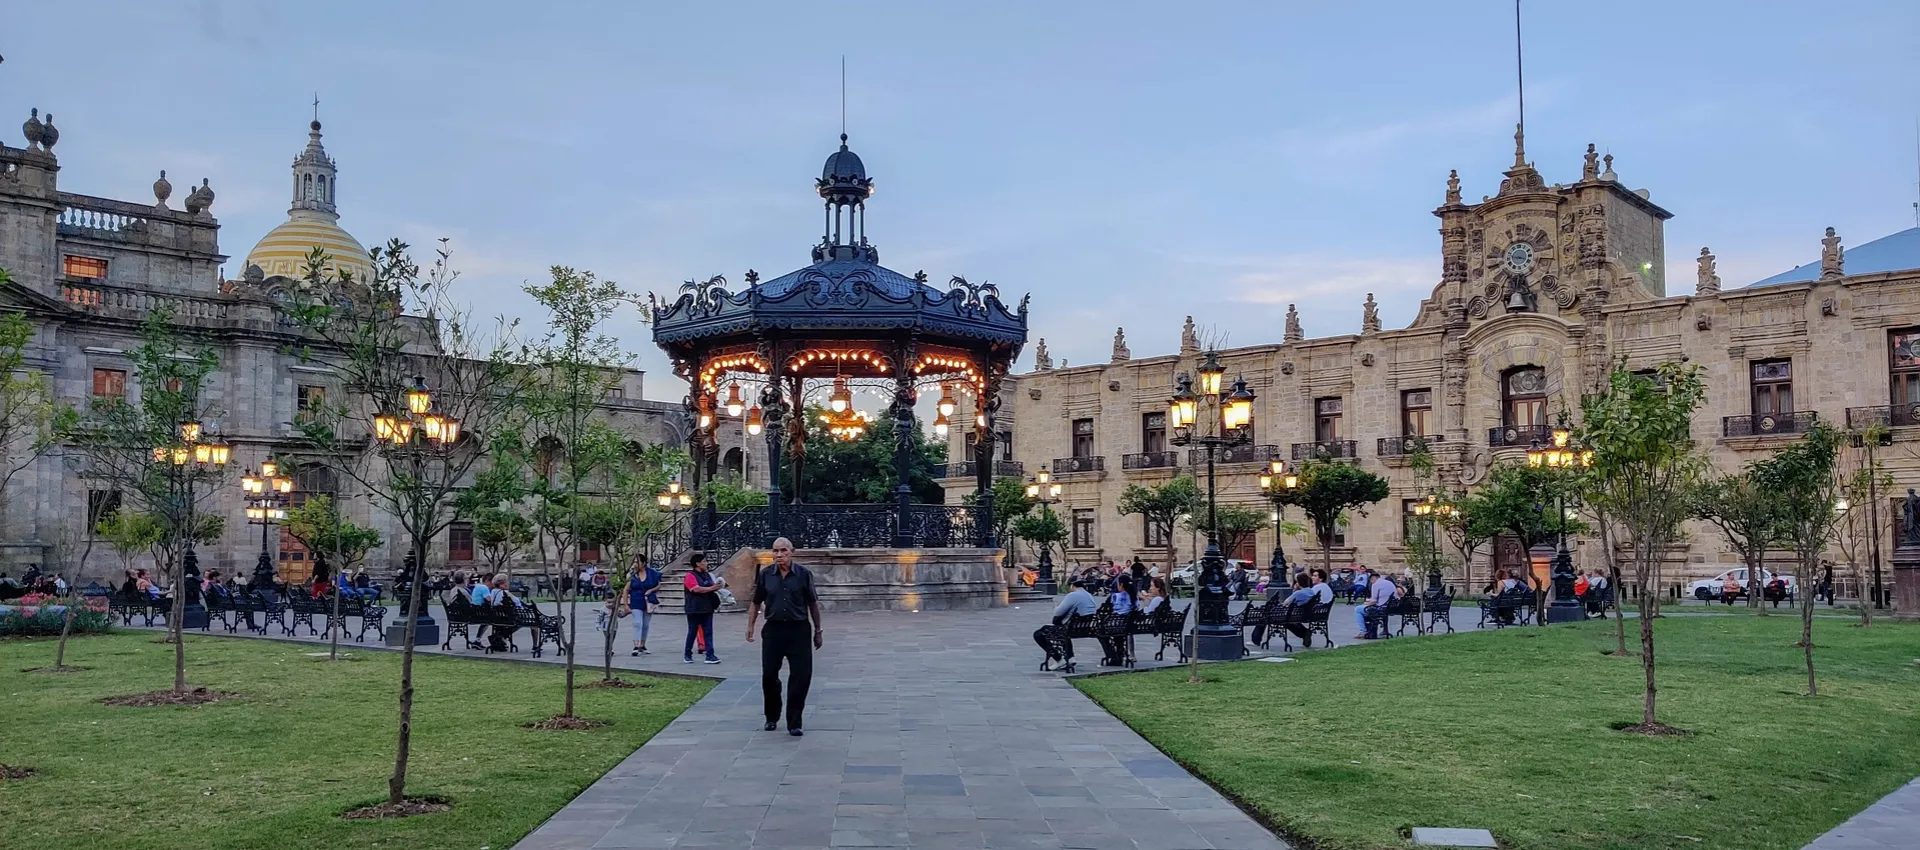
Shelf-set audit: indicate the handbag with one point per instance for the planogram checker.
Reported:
(726, 596)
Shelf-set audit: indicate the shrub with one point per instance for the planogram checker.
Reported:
(45, 620)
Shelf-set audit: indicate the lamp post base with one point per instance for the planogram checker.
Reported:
(193, 617)
(1565, 611)
(1217, 646)
(426, 632)
(1046, 586)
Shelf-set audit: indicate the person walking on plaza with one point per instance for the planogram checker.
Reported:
(701, 600)
(643, 598)
(785, 590)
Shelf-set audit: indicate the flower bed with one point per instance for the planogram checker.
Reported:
(37, 614)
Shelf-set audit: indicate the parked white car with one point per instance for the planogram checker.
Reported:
(1183, 577)
(1709, 589)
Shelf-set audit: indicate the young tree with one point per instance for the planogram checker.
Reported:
(1327, 491)
(1748, 516)
(32, 419)
(1524, 501)
(1041, 530)
(1802, 482)
(1644, 471)
(153, 450)
(577, 362)
(388, 337)
(130, 534)
(501, 535)
(334, 540)
(1862, 479)
(1236, 523)
(1010, 503)
(1160, 506)
(1467, 526)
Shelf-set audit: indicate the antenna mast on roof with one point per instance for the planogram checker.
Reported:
(1916, 171)
(843, 94)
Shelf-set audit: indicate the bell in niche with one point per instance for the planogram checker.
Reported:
(1516, 300)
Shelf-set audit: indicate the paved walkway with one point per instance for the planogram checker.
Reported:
(1891, 824)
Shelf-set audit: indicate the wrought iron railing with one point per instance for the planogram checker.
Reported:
(1766, 424)
(1070, 465)
(1899, 415)
(967, 468)
(1519, 436)
(1240, 454)
(1407, 445)
(1325, 450)
(863, 526)
(1150, 460)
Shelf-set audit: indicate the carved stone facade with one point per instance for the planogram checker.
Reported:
(87, 271)
(1539, 289)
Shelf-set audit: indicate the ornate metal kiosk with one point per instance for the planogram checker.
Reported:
(844, 325)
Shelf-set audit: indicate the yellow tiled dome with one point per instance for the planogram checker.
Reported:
(284, 250)
(312, 221)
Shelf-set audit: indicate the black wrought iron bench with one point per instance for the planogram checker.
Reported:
(371, 613)
(1406, 607)
(1259, 618)
(1507, 608)
(304, 608)
(1170, 626)
(1438, 608)
(126, 605)
(542, 628)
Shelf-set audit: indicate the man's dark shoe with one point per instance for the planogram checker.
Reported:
(769, 727)
(795, 732)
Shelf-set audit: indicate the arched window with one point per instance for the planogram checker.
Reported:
(1523, 397)
(733, 462)
(306, 188)
(322, 186)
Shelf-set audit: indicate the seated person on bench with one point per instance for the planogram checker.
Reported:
(1122, 600)
(501, 598)
(1076, 603)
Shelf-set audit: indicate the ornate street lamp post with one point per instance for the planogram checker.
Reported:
(1045, 492)
(1278, 484)
(194, 456)
(675, 500)
(1433, 510)
(1225, 422)
(418, 435)
(1563, 458)
(267, 496)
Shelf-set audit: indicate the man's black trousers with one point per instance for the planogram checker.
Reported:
(790, 641)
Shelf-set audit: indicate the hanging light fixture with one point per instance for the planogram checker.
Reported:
(946, 405)
(1238, 414)
(940, 426)
(1211, 374)
(842, 396)
(755, 421)
(190, 431)
(734, 404)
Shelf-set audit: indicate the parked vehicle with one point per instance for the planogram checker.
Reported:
(1183, 576)
(1708, 590)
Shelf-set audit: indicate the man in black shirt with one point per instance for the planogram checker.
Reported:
(785, 590)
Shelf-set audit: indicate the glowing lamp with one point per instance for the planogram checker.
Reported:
(1182, 410)
(1560, 437)
(1238, 413)
(180, 455)
(382, 427)
(419, 400)
(755, 420)
(841, 398)
(1211, 374)
(160, 455)
(1291, 481)
(734, 404)
(249, 484)
(940, 426)
(269, 469)
(946, 405)
(284, 485)
(190, 431)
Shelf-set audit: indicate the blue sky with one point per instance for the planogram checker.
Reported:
(1128, 163)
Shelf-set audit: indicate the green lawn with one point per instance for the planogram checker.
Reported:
(307, 740)
(1510, 731)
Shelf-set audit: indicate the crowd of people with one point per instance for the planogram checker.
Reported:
(33, 581)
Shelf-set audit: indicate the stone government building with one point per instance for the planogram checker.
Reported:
(87, 271)
(1541, 287)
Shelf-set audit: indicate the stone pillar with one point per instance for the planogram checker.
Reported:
(1906, 581)
(773, 418)
(902, 411)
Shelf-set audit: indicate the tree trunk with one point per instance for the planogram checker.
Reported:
(573, 622)
(334, 625)
(173, 628)
(397, 783)
(1806, 619)
(613, 628)
(66, 628)
(1755, 560)
(1648, 601)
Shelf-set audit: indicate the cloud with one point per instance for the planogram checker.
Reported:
(1312, 148)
